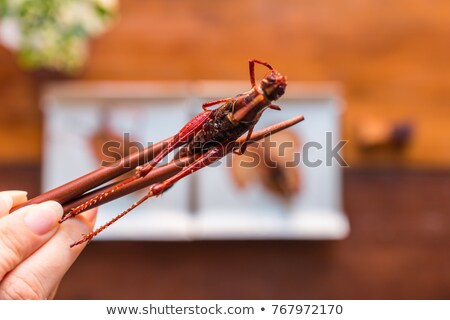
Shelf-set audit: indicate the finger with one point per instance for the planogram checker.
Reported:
(9, 199)
(24, 231)
(39, 275)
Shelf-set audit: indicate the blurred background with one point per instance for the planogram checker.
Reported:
(391, 61)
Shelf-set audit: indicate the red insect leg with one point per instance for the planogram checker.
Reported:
(244, 144)
(181, 138)
(212, 155)
(212, 103)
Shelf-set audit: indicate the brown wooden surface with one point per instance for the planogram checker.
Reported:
(391, 57)
(398, 249)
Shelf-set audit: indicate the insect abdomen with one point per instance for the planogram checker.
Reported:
(216, 130)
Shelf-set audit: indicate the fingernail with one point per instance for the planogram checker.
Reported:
(6, 203)
(18, 196)
(11, 198)
(44, 217)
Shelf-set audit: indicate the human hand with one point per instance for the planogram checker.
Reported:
(34, 247)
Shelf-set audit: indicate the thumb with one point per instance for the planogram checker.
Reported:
(24, 231)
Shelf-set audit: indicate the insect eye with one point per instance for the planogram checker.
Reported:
(270, 78)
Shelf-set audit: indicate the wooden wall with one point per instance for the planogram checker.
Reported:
(390, 56)
(392, 60)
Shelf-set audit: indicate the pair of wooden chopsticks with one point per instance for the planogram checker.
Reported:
(82, 189)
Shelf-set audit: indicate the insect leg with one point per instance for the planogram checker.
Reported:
(244, 144)
(274, 107)
(89, 203)
(92, 234)
(212, 103)
(211, 156)
(182, 137)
